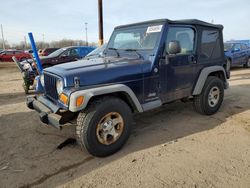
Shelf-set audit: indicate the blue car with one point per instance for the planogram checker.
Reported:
(237, 54)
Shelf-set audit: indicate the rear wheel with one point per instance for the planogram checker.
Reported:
(211, 97)
(247, 65)
(104, 127)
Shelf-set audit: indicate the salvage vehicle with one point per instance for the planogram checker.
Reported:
(20, 55)
(64, 55)
(28, 73)
(145, 65)
(237, 54)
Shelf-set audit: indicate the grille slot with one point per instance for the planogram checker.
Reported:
(50, 86)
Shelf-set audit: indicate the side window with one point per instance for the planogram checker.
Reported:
(66, 53)
(237, 46)
(73, 52)
(184, 35)
(210, 45)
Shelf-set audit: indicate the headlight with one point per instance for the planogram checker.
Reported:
(42, 79)
(26, 66)
(59, 86)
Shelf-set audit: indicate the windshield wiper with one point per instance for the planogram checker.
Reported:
(136, 52)
(118, 55)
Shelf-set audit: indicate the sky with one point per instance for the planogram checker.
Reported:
(64, 19)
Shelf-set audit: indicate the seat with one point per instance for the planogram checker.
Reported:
(185, 42)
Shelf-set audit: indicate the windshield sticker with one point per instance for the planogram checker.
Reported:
(154, 29)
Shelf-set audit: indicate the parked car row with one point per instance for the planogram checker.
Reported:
(64, 55)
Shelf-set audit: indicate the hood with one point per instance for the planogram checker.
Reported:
(101, 70)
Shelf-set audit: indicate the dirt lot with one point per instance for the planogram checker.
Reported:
(169, 147)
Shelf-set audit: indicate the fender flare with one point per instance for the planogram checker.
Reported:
(89, 93)
(203, 77)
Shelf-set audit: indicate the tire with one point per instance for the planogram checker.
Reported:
(208, 106)
(247, 65)
(228, 67)
(90, 131)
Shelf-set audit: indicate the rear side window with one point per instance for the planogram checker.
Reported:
(243, 46)
(9, 52)
(210, 45)
(18, 52)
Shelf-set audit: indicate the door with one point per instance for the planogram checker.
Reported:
(177, 71)
(68, 56)
(238, 54)
(244, 49)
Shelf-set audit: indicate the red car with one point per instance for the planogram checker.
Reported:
(7, 55)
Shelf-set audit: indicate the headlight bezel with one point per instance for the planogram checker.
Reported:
(59, 86)
(42, 79)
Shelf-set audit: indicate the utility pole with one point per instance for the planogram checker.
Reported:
(100, 22)
(86, 31)
(2, 37)
(25, 42)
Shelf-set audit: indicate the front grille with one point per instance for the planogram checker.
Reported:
(50, 86)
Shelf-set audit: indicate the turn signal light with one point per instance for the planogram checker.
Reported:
(64, 98)
(79, 100)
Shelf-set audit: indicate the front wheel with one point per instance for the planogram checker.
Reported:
(228, 67)
(104, 127)
(211, 97)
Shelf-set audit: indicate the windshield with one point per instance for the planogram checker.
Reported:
(57, 52)
(228, 46)
(143, 38)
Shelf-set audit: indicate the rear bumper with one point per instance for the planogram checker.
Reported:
(46, 109)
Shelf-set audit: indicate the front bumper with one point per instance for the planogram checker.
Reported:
(46, 109)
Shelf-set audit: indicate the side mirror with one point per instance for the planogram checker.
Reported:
(174, 47)
(236, 50)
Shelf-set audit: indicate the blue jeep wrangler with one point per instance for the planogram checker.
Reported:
(144, 66)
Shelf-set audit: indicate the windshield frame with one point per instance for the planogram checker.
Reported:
(127, 28)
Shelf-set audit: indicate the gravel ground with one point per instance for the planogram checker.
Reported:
(169, 147)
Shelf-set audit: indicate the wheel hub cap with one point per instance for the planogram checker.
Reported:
(213, 96)
(110, 128)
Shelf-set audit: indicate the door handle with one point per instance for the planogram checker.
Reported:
(192, 59)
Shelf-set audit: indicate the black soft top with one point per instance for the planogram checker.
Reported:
(187, 21)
